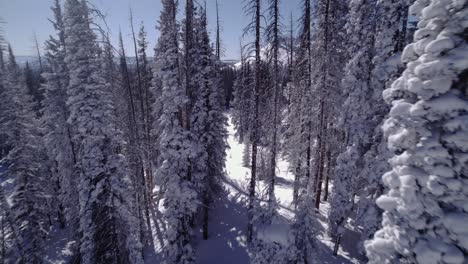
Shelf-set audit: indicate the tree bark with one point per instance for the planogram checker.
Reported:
(271, 193)
(256, 124)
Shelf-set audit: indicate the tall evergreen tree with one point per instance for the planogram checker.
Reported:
(209, 120)
(104, 184)
(425, 205)
(357, 115)
(390, 27)
(4, 148)
(180, 194)
(273, 37)
(57, 132)
(298, 121)
(26, 164)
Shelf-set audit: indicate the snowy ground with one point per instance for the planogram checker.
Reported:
(227, 241)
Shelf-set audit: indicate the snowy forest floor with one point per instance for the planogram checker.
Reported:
(228, 220)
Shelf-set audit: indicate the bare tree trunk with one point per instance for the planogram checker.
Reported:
(188, 74)
(271, 190)
(206, 213)
(321, 154)
(404, 27)
(337, 245)
(256, 124)
(61, 209)
(327, 176)
(307, 25)
(297, 175)
(144, 125)
(218, 38)
(291, 45)
(41, 69)
(3, 247)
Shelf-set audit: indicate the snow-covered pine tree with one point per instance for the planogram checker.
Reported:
(298, 123)
(4, 148)
(208, 120)
(361, 26)
(425, 207)
(104, 185)
(305, 226)
(180, 196)
(329, 58)
(273, 36)
(57, 132)
(390, 31)
(357, 118)
(7, 232)
(305, 229)
(25, 162)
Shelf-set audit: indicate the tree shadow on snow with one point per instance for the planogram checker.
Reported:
(236, 186)
(283, 181)
(227, 225)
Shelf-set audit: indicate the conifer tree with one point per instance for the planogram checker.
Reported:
(298, 120)
(424, 219)
(7, 232)
(29, 207)
(273, 37)
(4, 148)
(390, 27)
(104, 184)
(356, 121)
(209, 121)
(180, 194)
(58, 134)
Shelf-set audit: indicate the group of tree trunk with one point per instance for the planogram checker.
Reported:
(94, 142)
(334, 107)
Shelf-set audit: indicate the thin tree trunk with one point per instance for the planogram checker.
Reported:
(218, 38)
(206, 201)
(143, 139)
(307, 24)
(296, 183)
(321, 155)
(3, 248)
(291, 44)
(256, 124)
(404, 27)
(271, 194)
(61, 209)
(38, 54)
(188, 74)
(337, 245)
(188, 59)
(327, 176)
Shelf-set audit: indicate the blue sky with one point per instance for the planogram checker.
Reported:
(25, 17)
